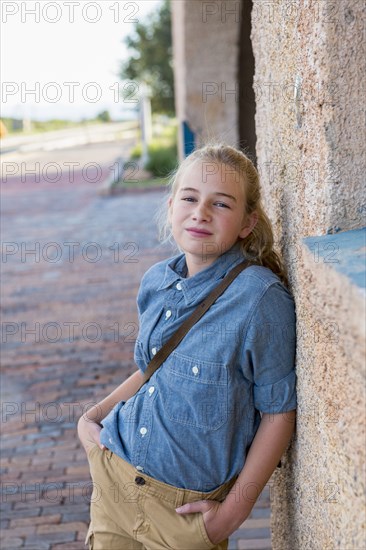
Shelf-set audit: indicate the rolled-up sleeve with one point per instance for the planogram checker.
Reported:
(270, 349)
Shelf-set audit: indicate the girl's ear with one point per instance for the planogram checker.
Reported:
(249, 224)
(170, 202)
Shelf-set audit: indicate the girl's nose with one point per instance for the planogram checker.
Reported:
(201, 212)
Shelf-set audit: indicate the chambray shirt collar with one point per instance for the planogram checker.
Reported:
(176, 270)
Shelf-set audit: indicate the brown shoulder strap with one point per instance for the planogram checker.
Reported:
(178, 336)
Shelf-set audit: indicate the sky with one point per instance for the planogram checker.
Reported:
(61, 59)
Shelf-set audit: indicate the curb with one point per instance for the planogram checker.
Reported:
(120, 190)
(109, 187)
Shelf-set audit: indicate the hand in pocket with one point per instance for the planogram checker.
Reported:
(89, 434)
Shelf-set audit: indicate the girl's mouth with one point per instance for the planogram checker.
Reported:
(198, 232)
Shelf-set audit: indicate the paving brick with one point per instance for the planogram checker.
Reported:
(38, 545)
(83, 516)
(20, 462)
(8, 543)
(11, 443)
(5, 506)
(51, 431)
(256, 533)
(7, 452)
(256, 523)
(254, 544)
(20, 531)
(69, 509)
(69, 546)
(39, 503)
(41, 436)
(31, 512)
(259, 512)
(27, 432)
(64, 527)
(4, 462)
(49, 520)
(49, 538)
(53, 474)
(43, 466)
(42, 460)
(9, 424)
(4, 524)
(10, 476)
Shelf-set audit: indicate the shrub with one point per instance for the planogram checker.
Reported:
(162, 159)
(136, 152)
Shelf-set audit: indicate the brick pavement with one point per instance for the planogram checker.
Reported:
(69, 321)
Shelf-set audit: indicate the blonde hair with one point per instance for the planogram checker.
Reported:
(258, 246)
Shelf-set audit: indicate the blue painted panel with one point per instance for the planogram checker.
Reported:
(345, 251)
(188, 138)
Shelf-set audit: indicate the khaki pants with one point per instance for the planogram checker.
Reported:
(132, 511)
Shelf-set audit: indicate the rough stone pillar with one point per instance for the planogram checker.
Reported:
(309, 85)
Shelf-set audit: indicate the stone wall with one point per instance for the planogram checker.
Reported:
(309, 86)
(310, 148)
(318, 496)
(309, 81)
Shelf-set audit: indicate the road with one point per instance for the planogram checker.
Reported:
(69, 137)
(67, 156)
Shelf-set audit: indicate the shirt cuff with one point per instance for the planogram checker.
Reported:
(278, 397)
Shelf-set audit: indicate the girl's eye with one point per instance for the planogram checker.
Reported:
(193, 199)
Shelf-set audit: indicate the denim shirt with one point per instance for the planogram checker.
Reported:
(192, 423)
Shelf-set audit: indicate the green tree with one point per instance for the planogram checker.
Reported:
(104, 116)
(151, 58)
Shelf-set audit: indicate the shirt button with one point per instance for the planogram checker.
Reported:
(168, 314)
(139, 468)
(153, 351)
(110, 440)
(178, 286)
(151, 390)
(143, 431)
(195, 370)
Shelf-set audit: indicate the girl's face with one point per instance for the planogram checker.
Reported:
(207, 213)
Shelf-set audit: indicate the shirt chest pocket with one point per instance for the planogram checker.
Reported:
(197, 392)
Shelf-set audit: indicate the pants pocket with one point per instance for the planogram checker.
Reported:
(203, 531)
(91, 451)
(89, 540)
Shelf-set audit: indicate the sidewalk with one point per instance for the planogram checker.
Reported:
(68, 137)
(69, 323)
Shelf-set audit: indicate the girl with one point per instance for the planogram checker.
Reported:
(180, 464)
